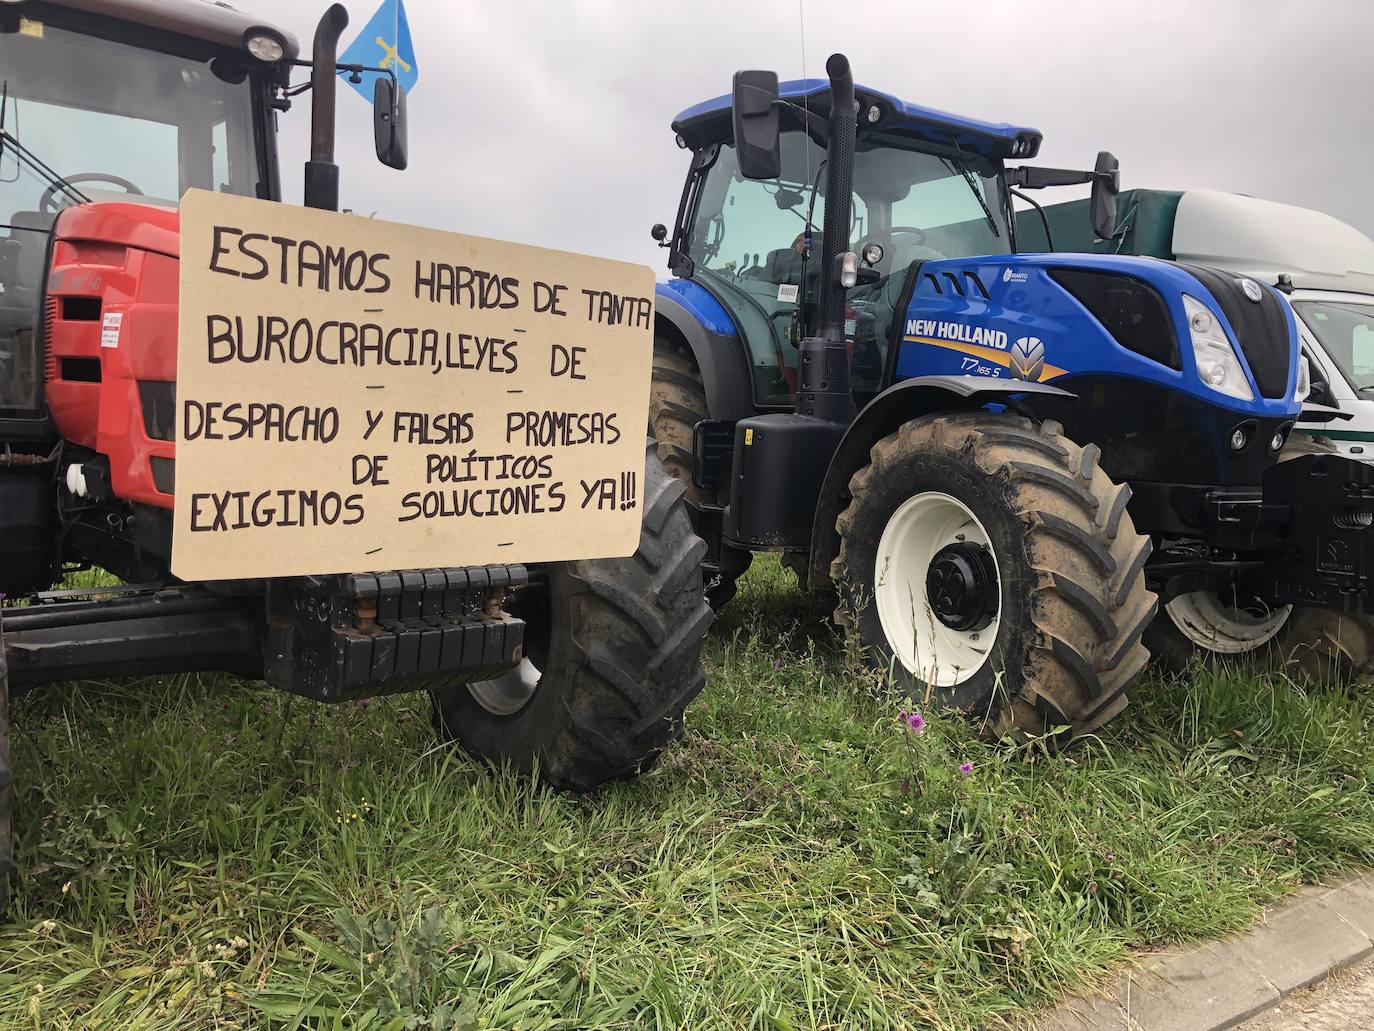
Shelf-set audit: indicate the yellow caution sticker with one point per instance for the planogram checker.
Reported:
(748, 436)
(29, 27)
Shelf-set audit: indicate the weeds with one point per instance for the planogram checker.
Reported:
(189, 857)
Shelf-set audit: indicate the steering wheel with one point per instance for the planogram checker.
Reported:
(48, 202)
(920, 234)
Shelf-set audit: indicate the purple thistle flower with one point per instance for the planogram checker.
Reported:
(916, 722)
(966, 768)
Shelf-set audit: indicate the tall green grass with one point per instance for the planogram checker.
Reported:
(200, 852)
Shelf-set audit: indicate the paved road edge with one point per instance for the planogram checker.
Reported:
(1220, 984)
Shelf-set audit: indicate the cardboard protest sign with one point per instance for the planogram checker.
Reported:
(356, 395)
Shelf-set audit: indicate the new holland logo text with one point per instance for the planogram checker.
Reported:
(964, 334)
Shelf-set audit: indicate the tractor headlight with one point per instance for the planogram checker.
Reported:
(1304, 386)
(1217, 364)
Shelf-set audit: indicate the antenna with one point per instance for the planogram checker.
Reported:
(806, 105)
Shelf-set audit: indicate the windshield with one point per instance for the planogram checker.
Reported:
(1346, 333)
(114, 120)
(758, 242)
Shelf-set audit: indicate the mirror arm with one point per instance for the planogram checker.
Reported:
(817, 126)
(351, 68)
(1033, 177)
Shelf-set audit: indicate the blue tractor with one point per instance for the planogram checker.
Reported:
(1001, 462)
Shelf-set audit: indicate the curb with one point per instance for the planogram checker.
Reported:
(1220, 984)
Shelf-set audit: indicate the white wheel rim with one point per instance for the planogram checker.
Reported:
(1209, 621)
(938, 654)
(510, 692)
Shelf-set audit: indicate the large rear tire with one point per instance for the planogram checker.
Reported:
(677, 402)
(1071, 604)
(1316, 646)
(613, 656)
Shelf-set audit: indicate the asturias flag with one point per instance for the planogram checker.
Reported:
(384, 43)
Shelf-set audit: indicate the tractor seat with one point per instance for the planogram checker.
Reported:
(784, 265)
(25, 257)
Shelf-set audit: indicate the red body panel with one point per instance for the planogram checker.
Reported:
(113, 263)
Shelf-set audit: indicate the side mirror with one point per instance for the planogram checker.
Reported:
(389, 122)
(1106, 185)
(754, 110)
(1320, 393)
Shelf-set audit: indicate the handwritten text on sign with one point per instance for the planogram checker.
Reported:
(357, 395)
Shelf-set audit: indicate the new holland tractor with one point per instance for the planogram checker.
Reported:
(1001, 461)
(111, 110)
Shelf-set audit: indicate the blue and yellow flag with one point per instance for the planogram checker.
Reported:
(384, 43)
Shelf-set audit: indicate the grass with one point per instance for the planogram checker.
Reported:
(200, 852)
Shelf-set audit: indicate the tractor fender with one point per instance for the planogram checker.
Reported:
(899, 403)
(694, 319)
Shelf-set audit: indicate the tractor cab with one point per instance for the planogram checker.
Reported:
(926, 186)
(126, 102)
(99, 108)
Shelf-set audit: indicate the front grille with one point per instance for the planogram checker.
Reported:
(1261, 328)
(49, 317)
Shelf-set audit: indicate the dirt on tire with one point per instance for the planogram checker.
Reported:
(1073, 598)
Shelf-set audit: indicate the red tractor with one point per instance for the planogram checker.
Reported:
(109, 111)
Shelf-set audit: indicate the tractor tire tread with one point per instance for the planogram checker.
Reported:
(1090, 605)
(677, 402)
(632, 658)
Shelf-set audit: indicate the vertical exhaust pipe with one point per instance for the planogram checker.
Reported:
(839, 179)
(823, 391)
(321, 173)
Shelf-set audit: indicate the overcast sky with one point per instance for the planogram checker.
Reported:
(547, 123)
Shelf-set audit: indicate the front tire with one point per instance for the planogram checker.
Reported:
(1225, 624)
(1070, 599)
(613, 658)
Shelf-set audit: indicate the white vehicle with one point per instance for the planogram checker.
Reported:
(1325, 266)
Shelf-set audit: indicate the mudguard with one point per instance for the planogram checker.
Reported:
(899, 403)
(698, 320)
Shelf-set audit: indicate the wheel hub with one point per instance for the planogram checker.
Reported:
(1226, 622)
(933, 544)
(961, 584)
